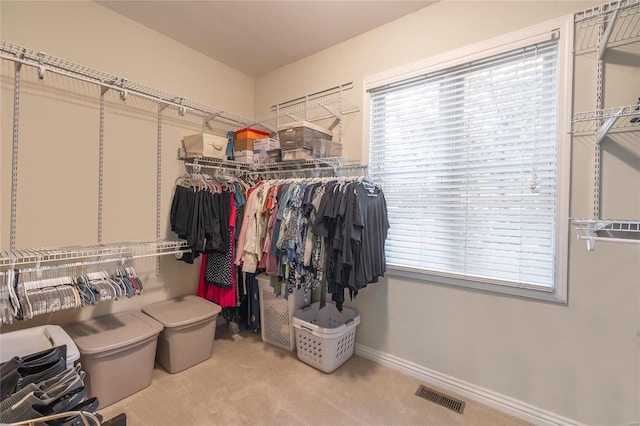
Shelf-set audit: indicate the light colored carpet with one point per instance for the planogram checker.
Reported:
(248, 382)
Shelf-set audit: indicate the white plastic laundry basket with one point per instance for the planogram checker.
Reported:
(276, 314)
(325, 338)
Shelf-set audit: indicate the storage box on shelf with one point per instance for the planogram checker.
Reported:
(324, 148)
(261, 147)
(296, 154)
(206, 145)
(243, 156)
(117, 352)
(325, 338)
(189, 330)
(301, 134)
(274, 156)
(245, 138)
(276, 313)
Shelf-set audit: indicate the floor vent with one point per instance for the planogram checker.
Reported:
(440, 399)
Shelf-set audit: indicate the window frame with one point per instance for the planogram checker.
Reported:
(562, 28)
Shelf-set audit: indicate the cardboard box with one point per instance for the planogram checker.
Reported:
(245, 144)
(249, 133)
(205, 145)
(243, 156)
(265, 144)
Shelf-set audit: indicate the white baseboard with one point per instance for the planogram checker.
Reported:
(492, 399)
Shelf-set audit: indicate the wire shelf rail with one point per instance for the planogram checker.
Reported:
(338, 165)
(611, 119)
(621, 16)
(44, 63)
(133, 249)
(608, 230)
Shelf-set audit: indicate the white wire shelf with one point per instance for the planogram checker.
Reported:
(332, 166)
(606, 120)
(136, 249)
(281, 165)
(607, 230)
(345, 107)
(14, 52)
(623, 18)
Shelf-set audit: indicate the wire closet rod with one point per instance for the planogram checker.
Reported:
(609, 239)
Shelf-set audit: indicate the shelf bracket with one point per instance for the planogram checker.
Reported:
(209, 118)
(338, 116)
(41, 67)
(602, 47)
(607, 125)
(590, 237)
(294, 117)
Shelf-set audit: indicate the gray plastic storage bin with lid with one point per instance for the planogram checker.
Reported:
(189, 329)
(36, 339)
(117, 352)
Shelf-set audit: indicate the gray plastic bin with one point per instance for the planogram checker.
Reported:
(117, 352)
(189, 330)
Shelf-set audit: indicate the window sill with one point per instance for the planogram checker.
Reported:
(539, 294)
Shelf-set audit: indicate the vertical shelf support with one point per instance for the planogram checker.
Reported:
(599, 102)
(340, 125)
(14, 155)
(161, 108)
(103, 90)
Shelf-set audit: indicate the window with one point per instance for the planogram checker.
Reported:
(469, 153)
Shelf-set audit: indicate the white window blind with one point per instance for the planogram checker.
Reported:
(467, 159)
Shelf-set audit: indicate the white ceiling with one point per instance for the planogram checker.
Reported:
(256, 37)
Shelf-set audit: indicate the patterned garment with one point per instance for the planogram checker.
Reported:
(219, 269)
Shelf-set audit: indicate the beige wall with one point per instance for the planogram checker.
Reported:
(59, 122)
(580, 360)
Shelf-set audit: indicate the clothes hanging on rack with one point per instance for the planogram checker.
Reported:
(326, 233)
(200, 212)
(208, 211)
